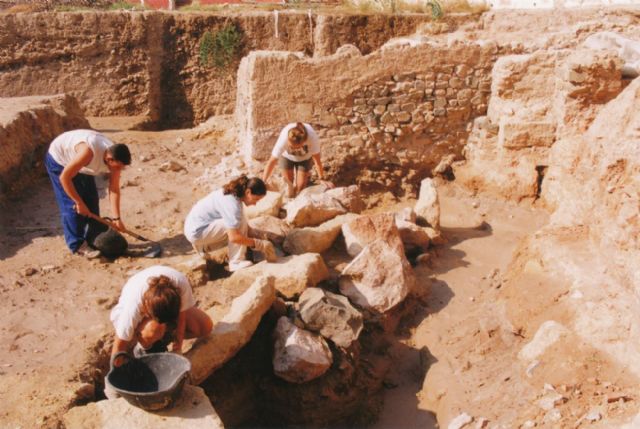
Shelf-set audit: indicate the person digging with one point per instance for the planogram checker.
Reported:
(218, 220)
(156, 309)
(72, 161)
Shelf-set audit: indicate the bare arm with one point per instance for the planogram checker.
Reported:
(268, 169)
(180, 329)
(83, 157)
(114, 197)
(119, 346)
(235, 236)
(318, 163)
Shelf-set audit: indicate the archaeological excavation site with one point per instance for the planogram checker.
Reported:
(466, 254)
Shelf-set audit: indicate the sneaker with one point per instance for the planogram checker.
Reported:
(87, 251)
(238, 265)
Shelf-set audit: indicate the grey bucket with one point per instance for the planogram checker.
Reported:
(152, 382)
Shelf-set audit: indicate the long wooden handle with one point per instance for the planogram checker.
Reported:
(111, 225)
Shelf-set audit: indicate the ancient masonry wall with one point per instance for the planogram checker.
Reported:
(26, 129)
(147, 63)
(384, 119)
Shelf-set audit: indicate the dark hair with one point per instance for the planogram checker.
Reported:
(298, 133)
(162, 299)
(120, 152)
(238, 186)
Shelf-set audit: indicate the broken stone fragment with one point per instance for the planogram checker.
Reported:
(269, 228)
(293, 274)
(193, 409)
(314, 209)
(428, 205)
(269, 205)
(315, 239)
(379, 278)
(171, 166)
(331, 315)
(365, 229)
(233, 331)
(299, 356)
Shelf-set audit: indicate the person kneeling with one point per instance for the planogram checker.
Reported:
(218, 220)
(156, 308)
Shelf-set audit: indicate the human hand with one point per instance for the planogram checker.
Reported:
(118, 224)
(266, 248)
(82, 209)
(327, 183)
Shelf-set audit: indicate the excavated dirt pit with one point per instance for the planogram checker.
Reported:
(56, 305)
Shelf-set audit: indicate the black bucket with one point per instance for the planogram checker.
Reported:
(152, 382)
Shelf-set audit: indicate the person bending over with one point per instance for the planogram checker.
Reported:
(73, 160)
(156, 308)
(218, 220)
(296, 146)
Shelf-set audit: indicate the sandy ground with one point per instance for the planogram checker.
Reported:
(55, 306)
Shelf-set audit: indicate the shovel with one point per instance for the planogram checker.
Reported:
(153, 252)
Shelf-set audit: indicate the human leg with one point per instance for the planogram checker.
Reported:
(214, 237)
(302, 179)
(238, 252)
(73, 224)
(198, 323)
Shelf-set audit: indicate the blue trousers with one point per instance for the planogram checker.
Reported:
(76, 227)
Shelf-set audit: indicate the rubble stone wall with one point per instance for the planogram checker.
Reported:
(147, 63)
(399, 110)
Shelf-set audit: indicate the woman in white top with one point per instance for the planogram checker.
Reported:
(218, 220)
(296, 146)
(157, 305)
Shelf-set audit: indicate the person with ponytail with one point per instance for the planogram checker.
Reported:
(218, 220)
(296, 146)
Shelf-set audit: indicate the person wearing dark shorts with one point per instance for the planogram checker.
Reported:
(296, 147)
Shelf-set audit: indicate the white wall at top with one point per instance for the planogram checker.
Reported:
(548, 4)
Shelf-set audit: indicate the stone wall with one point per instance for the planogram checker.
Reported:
(147, 63)
(537, 99)
(398, 111)
(27, 126)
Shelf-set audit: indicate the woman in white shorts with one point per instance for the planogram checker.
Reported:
(218, 220)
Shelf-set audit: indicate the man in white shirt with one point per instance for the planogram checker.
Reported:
(73, 160)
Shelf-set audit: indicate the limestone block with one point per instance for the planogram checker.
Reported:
(315, 239)
(428, 205)
(292, 274)
(269, 228)
(233, 331)
(363, 230)
(193, 409)
(407, 214)
(546, 335)
(331, 315)
(518, 135)
(299, 356)
(379, 278)
(269, 205)
(413, 235)
(314, 206)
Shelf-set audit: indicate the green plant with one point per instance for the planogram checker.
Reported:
(436, 9)
(221, 48)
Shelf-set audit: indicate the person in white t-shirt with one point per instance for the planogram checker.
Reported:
(73, 160)
(218, 220)
(296, 146)
(157, 304)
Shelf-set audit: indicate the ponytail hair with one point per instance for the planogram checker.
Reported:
(239, 186)
(297, 134)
